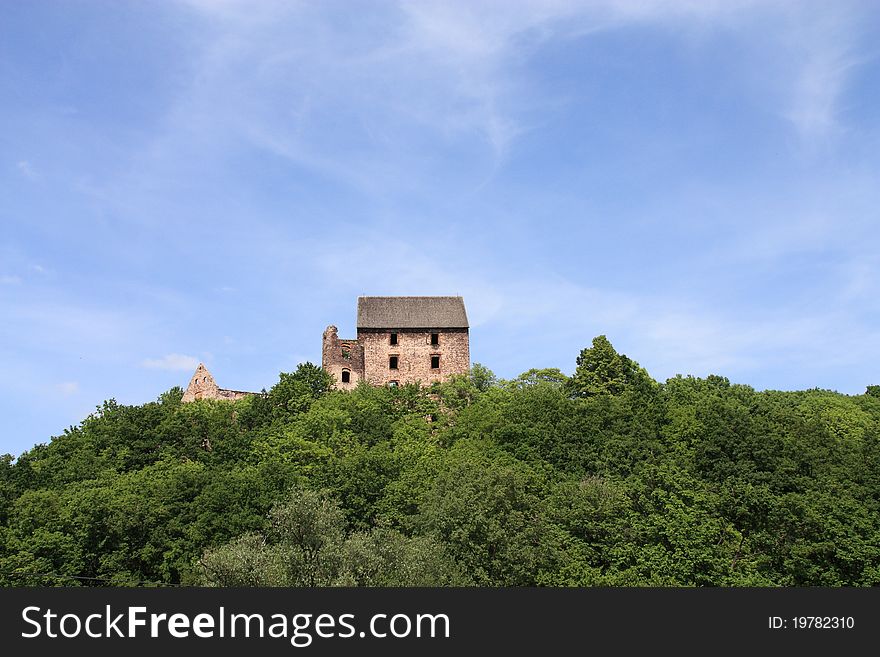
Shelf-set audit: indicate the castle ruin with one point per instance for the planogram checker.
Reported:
(203, 386)
(399, 340)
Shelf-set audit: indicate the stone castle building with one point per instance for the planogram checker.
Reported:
(400, 340)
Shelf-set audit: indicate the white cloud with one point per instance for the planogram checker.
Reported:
(10, 280)
(26, 169)
(175, 362)
(67, 388)
(820, 56)
(816, 91)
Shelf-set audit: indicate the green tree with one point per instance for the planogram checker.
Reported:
(602, 371)
(385, 557)
(302, 547)
(534, 376)
(306, 545)
(482, 378)
(295, 392)
(485, 506)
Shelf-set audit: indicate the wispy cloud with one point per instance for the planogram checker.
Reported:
(672, 335)
(455, 73)
(27, 169)
(174, 362)
(68, 388)
(9, 279)
(817, 89)
(821, 45)
(551, 317)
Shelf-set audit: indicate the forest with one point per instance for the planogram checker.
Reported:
(602, 478)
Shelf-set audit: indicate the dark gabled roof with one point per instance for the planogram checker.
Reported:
(411, 312)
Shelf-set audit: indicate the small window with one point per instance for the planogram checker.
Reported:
(393, 384)
(435, 339)
(435, 362)
(392, 362)
(346, 376)
(346, 351)
(394, 338)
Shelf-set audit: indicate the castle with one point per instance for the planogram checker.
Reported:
(399, 340)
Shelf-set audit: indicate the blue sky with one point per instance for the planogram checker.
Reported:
(217, 181)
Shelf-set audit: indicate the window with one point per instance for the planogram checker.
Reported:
(393, 338)
(392, 362)
(393, 384)
(435, 362)
(435, 339)
(346, 376)
(346, 351)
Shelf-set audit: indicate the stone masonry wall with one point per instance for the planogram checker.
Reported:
(232, 395)
(203, 386)
(338, 354)
(414, 351)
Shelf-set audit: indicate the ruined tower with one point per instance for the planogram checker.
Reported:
(203, 386)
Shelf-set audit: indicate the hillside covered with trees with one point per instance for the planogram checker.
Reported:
(604, 478)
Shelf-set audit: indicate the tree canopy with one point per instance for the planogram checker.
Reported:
(606, 477)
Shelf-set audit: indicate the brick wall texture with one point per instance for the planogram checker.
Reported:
(414, 353)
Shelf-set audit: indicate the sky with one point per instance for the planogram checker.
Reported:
(217, 181)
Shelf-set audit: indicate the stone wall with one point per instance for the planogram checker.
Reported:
(414, 351)
(338, 355)
(231, 395)
(203, 386)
